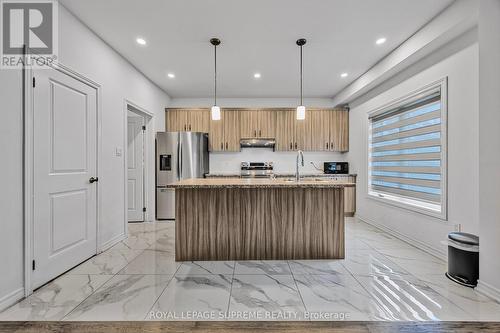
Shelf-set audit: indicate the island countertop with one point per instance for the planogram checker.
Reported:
(257, 183)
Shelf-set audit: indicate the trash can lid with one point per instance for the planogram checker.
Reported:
(464, 238)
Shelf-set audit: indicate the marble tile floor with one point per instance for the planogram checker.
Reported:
(381, 279)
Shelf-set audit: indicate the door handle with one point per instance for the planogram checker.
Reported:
(260, 133)
(291, 146)
(295, 145)
(226, 146)
(255, 133)
(185, 127)
(190, 127)
(222, 146)
(327, 145)
(93, 180)
(331, 145)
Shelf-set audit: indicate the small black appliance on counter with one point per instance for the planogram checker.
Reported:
(335, 168)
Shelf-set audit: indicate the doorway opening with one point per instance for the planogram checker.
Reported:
(136, 164)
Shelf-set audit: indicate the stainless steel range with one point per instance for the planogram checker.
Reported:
(257, 169)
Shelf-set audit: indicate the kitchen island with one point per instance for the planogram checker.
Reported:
(259, 219)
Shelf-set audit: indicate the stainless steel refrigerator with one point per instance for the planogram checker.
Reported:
(179, 155)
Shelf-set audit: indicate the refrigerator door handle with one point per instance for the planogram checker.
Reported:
(179, 159)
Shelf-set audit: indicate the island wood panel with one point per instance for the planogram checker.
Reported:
(259, 223)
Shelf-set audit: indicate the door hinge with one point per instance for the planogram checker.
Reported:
(33, 265)
(144, 209)
(143, 127)
(34, 82)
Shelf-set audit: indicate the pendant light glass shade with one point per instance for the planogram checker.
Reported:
(215, 111)
(301, 109)
(301, 112)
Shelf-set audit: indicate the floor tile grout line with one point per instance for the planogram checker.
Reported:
(161, 294)
(296, 285)
(231, 288)
(112, 275)
(95, 291)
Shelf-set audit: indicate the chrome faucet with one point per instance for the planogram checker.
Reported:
(301, 156)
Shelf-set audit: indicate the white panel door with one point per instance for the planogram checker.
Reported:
(135, 165)
(65, 159)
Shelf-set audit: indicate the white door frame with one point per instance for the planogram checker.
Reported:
(149, 181)
(28, 147)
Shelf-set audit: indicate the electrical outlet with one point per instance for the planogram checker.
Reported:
(118, 151)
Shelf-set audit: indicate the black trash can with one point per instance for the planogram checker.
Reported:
(463, 258)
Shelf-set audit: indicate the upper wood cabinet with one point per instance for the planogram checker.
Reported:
(322, 130)
(192, 120)
(339, 130)
(285, 130)
(224, 134)
(257, 123)
(319, 130)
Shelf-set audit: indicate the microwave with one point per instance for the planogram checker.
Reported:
(336, 168)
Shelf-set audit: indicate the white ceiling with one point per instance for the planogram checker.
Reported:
(257, 36)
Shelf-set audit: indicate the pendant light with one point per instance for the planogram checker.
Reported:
(215, 111)
(301, 109)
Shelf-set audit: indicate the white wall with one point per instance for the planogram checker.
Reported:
(459, 62)
(221, 162)
(84, 52)
(284, 162)
(489, 147)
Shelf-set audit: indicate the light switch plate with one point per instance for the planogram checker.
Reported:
(118, 151)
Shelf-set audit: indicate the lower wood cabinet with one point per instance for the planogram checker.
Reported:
(322, 130)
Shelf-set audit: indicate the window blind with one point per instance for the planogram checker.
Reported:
(405, 150)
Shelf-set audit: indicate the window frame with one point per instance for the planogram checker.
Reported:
(404, 202)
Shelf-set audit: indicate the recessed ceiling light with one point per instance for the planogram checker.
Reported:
(256, 75)
(344, 75)
(381, 41)
(171, 75)
(141, 41)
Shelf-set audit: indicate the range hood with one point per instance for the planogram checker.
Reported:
(257, 143)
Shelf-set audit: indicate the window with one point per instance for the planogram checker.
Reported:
(407, 152)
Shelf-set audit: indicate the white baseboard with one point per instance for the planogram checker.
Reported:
(488, 290)
(438, 253)
(112, 242)
(11, 298)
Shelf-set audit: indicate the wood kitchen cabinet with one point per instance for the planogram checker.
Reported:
(257, 123)
(192, 120)
(224, 134)
(319, 130)
(322, 130)
(285, 130)
(339, 130)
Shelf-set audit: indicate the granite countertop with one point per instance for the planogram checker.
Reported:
(255, 183)
(279, 175)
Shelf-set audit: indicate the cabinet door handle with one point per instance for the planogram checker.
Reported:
(222, 146)
(291, 146)
(226, 146)
(331, 145)
(190, 127)
(295, 145)
(327, 145)
(255, 133)
(260, 133)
